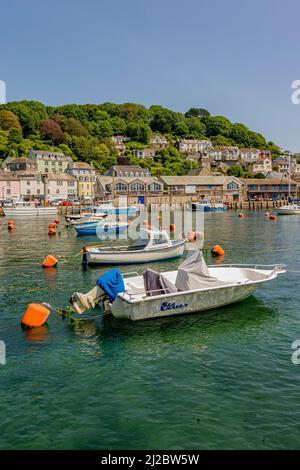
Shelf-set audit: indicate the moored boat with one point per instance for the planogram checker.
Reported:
(153, 245)
(101, 227)
(290, 209)
(207, 207)
(22, 208)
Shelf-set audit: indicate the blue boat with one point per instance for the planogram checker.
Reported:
(101, 228)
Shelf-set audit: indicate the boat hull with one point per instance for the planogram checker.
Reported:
(29, 211)
(133, 257)
(179, 303)
(94, 230)
(288, 211)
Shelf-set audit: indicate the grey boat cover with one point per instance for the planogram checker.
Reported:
(193, 273)
(156, 284)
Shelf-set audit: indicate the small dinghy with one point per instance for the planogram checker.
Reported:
(194, 287)
(291, 209)
(84, 218)
(153, 245)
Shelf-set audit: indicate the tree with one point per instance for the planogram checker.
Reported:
(217, 125)
(8, 120)
(240, 134)
(15, 136)
(52, 131)
(197, 112)
(196, 128)
(74, 127)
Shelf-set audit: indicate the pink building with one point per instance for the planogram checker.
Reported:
(9, 186)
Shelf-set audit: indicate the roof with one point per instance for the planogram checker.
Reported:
(46, 152)
(128, 168)
(80, 165)
(20, 160)
(60, 176)
(194, 180)
(267, 181)
(7, 176)
(127, 179)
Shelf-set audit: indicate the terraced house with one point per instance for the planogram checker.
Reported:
(50, 162)
(85, 175)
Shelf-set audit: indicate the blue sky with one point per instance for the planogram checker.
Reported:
(234, 57)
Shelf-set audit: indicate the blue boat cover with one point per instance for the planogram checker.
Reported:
(112, 283)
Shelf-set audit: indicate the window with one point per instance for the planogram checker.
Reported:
(38, 191)
(232, 185)
(70, 183)
(121, 186)
(7, 191)
(59, 183)
(28, 183)
(57, 191)
(28, 191)
(8, 184)
(137, 186)
(154, 187)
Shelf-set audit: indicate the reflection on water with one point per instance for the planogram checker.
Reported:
(214, 379)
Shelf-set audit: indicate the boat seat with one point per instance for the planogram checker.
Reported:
(133, 289)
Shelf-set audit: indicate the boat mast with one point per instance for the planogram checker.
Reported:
(289, 176)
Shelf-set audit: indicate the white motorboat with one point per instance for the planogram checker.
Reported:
(194, 287)
(153, 245)
(291, 209)
(22, 208)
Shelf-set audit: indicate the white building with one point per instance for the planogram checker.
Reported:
(158, 141)
(144, 153)
(193, 145)
(263, 165)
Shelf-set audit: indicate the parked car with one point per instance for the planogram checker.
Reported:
(66, 203)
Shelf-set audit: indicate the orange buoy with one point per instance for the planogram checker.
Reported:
(52, 231)
(11, 225)
(217, 250)
(273, 217)
(35, 315)
(56, 221)
(49, 262)
(172, 228)
(52, 225)
(241, 216)
(10, 222)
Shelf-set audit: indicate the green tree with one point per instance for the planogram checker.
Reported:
(197, 112)
(8, 120)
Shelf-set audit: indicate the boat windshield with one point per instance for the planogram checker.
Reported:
(140, 243)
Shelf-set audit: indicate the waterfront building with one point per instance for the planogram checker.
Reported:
(9, 186)
(49, 162)
(132, 186)
(62, 186)
(85, 175)
(249, 154)
(269, 188)
(128, 170)
(215, 188)
(193, 145)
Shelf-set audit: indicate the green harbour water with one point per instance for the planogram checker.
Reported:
(216, 380)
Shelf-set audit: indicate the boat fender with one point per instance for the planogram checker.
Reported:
(35, 315)
(49, 262)
(217, 250)
(172, 228)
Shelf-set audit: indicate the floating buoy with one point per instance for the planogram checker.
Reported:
(56, 221)
(172, 228)
(217, 250)
(10, 222)
(49, 262)
(52, 231)
(52, 225)
(11, 225)
(273, 217)
(267, 214)
(241, 216)
(35, 315)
